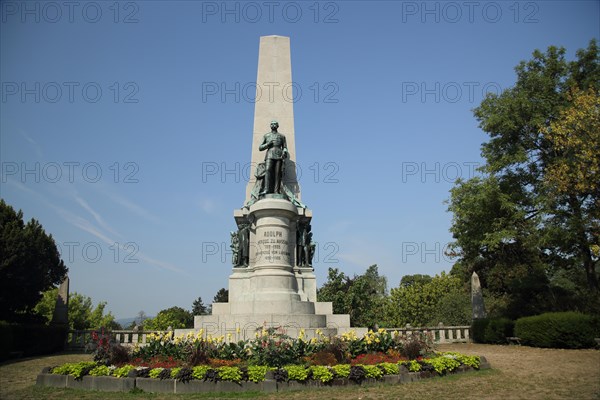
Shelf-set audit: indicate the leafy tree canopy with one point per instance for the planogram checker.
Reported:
(174, 317)
(198, 307)
(361, 296)
(529, 227)
(82, 313)
(222, 296)
(427, 302)
(29, 264)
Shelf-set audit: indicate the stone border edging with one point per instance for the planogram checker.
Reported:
(153, 385)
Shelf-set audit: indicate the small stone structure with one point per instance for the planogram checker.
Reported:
(61, 310)
(477, 298)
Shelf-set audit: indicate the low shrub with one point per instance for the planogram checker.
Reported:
(31, 339)
(257, 373)
(567, 330)
(77, 370)
(390, 368)
(184, 374)
(216, 363)
(199, 371)
(492, 330)
(418, 344)
(478, 329)
(157, 362)
(100, 370)
(443, 364)
(106, 350)
(232, 374)
(372, 371)
(123, 371)
(412, 365)
(321, 373)
(341, 370)
(498, 330)
(155, 372)
(321, 358)
(374, 358)
(357, 373)
(297, 372)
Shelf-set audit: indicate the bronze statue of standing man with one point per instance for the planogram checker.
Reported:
(276, 146)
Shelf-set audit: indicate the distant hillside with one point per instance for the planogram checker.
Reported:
(125, 322)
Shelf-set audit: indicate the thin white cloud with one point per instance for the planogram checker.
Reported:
(33, 143)
(160, 264)
(88, 227)
(23, 187)
(209, 206)
(84, 225)
(131, 206)
(96, 216)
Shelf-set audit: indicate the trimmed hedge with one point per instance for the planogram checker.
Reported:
(565, 330)
(31, 339)
(478, 329)
(492, 330)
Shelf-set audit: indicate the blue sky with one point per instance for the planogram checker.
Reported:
(113, 137)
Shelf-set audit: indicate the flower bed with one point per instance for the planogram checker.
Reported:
(270, 362)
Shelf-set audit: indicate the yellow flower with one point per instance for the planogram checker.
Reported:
(237, 330)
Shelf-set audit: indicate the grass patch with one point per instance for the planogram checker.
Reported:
(519, 372)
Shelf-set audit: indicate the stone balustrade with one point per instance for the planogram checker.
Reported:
(78, 339)
(441, 334)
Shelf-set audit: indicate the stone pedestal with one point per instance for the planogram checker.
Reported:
(269, 285)
(272, 290)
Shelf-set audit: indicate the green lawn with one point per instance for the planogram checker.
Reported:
(517, 373)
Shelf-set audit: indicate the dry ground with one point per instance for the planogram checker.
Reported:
(517, 373)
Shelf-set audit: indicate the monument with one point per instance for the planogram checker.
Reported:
(477, 304)
(272, 282)
(61, 309)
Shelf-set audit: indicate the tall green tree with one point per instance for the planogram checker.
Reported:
(82, 313)
(198, 307)
(29, 264)
(140, 318)
(222, 296)
(361, 296)
(531, 239)
(417, 279)
(174, 317)
(426, 302)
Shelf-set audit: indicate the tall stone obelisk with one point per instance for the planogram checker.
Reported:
(272, 280)
(274, 101)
